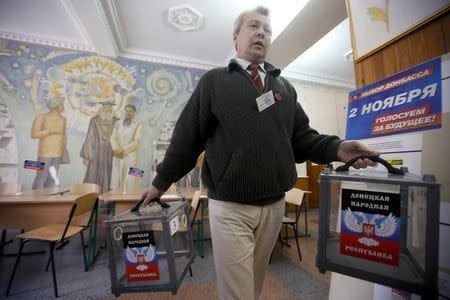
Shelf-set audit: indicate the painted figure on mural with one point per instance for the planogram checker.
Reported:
(96, 150)
(50, 129)
(125, 141)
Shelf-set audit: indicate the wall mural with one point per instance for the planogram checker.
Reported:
(87, 117)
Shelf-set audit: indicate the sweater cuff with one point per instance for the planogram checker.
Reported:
(332, 150)
(161, 184)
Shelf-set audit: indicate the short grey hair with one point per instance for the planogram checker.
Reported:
(238, 23)
(53, 102)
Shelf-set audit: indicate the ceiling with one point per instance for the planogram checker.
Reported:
(309, 42)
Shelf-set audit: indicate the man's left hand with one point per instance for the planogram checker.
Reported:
(350, 149)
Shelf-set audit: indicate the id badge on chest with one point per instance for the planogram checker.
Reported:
(265, 100)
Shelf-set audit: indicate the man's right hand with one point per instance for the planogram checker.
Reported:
(150, 194)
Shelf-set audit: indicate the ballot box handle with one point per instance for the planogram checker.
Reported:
(157, 200)
(377, 159)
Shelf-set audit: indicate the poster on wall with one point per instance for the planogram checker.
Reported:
(376, 23)
(370, 222)
(409, 101)
(399, 150)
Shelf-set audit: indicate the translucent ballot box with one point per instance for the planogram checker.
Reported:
(381, 227)
(150, 249)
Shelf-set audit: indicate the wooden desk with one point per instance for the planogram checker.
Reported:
(188, 193)
(119, 202)
(125, 201)
(46, 191)
(30, 210)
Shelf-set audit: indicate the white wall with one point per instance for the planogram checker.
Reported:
(326, 108)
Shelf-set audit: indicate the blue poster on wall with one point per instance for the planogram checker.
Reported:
(406, 102)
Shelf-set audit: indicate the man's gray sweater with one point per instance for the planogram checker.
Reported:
(250, 155)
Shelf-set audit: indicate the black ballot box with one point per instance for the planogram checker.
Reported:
(380, 226)
(150, 249)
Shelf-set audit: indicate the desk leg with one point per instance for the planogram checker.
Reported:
(305, 205)
(198, 241)
(202, 233)
(306, 218)
(91, 251)
(112, 209)
(4, 241)
(306, 234)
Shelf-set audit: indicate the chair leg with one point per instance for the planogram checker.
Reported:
(306, 220)
(281, 241)
(83, 248)
(52, 259)
(190, 271)
(4, 241)
(22, 243)
(48, 263)
(296, 240)
(270, 259)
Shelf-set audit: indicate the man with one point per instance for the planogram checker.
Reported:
(96, 150)
(50, 129)
(253, 132)
(125, 140)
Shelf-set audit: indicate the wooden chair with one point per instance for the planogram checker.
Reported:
(84, 188)
(103, 210)
(57, 233)
(7, 188)
(193, 217)
(194, 221)
(294, 196)
(173, 189)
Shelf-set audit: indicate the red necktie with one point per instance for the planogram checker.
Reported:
(256, 77)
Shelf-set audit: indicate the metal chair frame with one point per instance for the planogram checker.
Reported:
(52, 244)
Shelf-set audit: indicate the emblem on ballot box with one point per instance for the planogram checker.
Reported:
(370, 229)
(140, 256)
(370, 225)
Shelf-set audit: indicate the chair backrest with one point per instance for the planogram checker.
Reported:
(194, 206)
(9, 188)
(294, 196)
(195, 200)
(172, 189)
(84, 188)
(85, 203)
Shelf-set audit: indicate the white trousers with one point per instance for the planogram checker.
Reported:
(243, 237)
